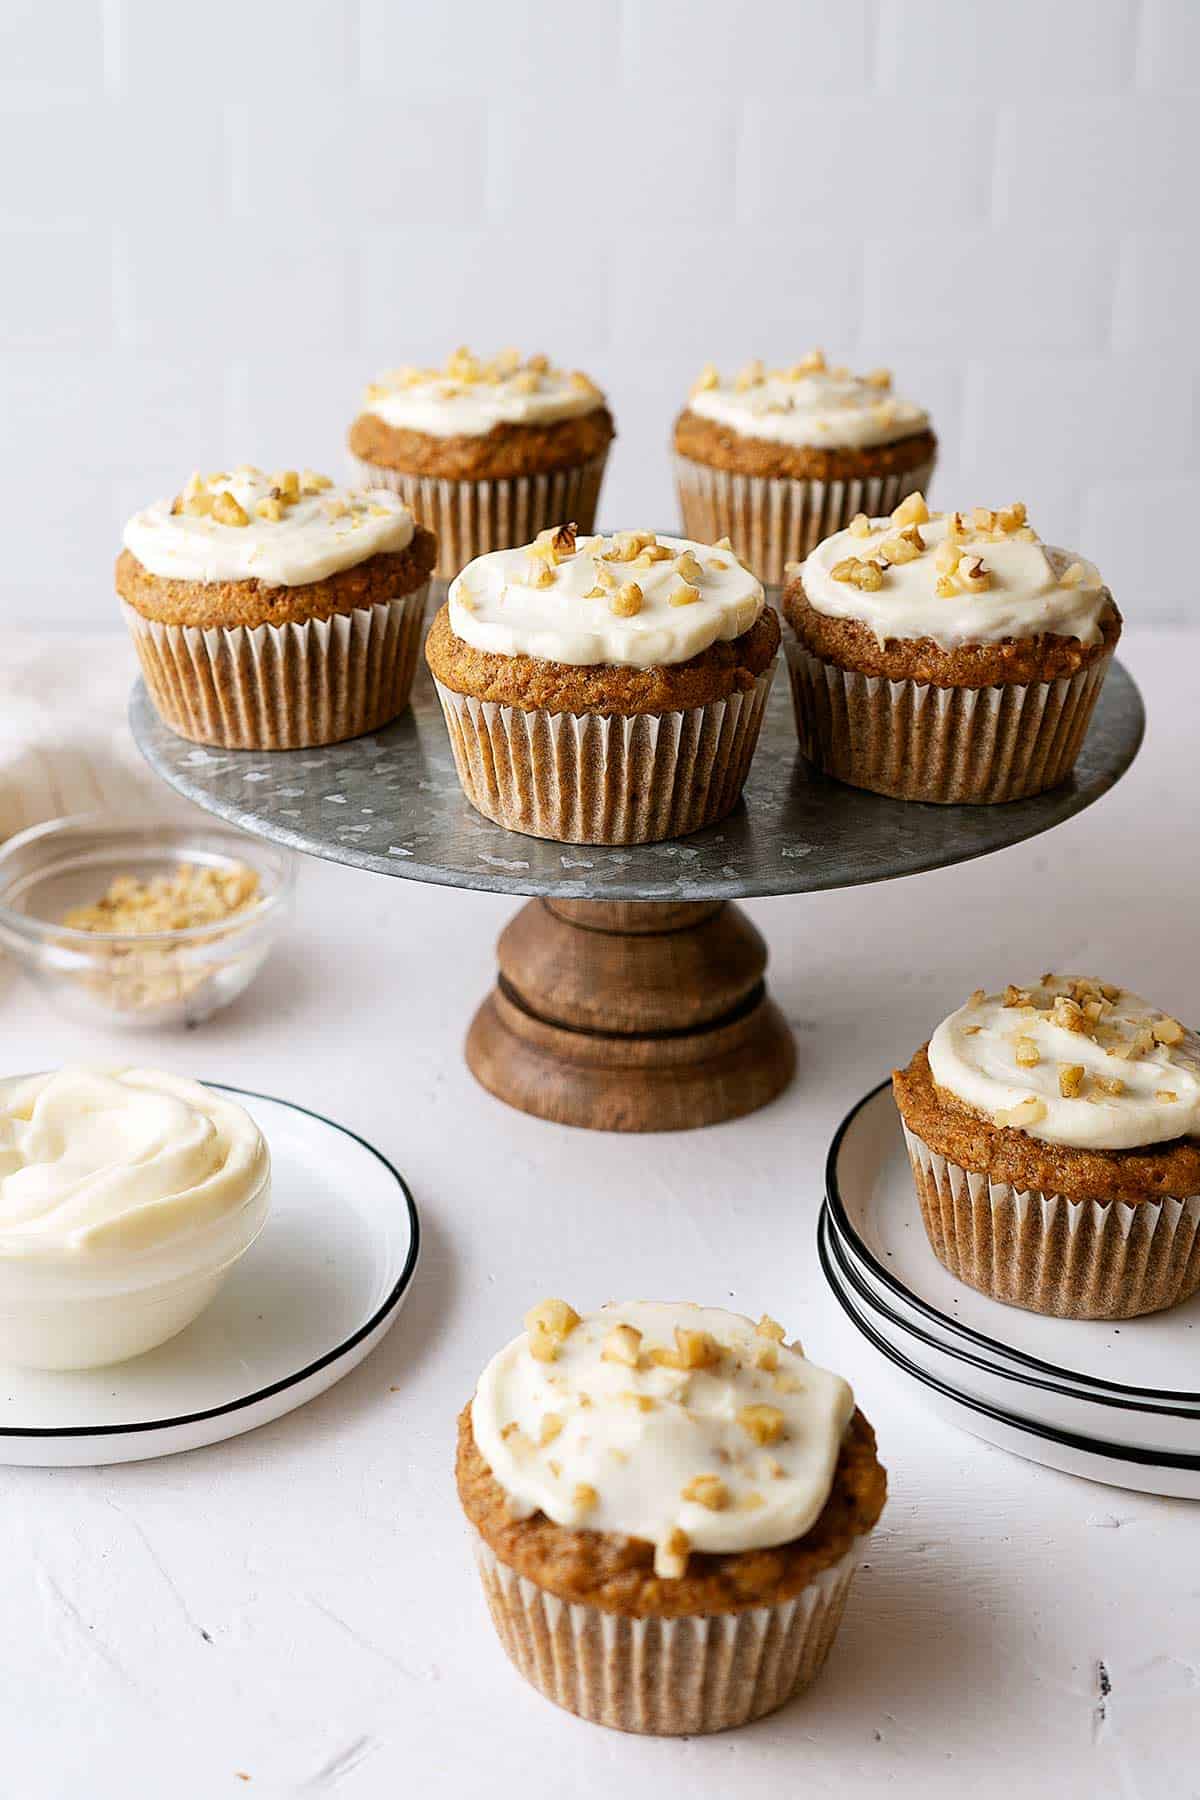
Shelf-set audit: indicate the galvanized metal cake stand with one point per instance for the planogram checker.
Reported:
(630, 993)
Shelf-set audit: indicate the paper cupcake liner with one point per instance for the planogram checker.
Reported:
(1073, 1259)
(283, 687)
(581, 778)
(954, 746)
(666, 1677)
(473, 517)
(773, 520)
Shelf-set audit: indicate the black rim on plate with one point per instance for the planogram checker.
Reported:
(1069, 1440)
(871, 1302)
(389, 1303)
(1152, 1399)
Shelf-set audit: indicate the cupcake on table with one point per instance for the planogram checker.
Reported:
(777, 459)
(275, 611)
(1054, 1134)
(487, 451)
(951, 657)
(668, 1504)
(604, 690)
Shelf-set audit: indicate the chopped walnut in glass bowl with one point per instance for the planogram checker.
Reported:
(137, 924)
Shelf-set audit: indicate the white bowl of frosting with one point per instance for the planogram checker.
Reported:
(126, 1197)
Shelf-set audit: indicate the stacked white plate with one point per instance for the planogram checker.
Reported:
(1118, 1403)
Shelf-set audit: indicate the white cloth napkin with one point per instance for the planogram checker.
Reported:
(65, 743)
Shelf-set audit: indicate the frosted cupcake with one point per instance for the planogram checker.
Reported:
(275, 612)
(668, 1505)
(1053, 1131)
(950, 657)
(604, 690)
(487, 453)
(778, 459)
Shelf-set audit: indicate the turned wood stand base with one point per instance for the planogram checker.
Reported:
(631, 1016)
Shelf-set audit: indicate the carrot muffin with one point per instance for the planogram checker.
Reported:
(604, 690)
(487, 453)
(778, 459)
(668, 1504)
(1054, 1133)
(275, 612)
(946, 656)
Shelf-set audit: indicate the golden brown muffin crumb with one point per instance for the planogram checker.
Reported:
(616, 1573)
(506, 450)
(955, 1130)
(532, 683)
(720, 447)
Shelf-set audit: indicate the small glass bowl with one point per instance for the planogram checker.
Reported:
(135, 979)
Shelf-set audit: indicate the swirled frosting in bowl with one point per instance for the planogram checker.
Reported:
(633, 598)
(1072, 1061)
(808, 405)
(688, 1427)
(958, 578)
(471, 395)
(284, 529)
(128, 1160)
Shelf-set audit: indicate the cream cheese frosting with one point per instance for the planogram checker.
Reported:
(284, 529)
(974, 577)
(1075, 1062)
(93, 1160)
(472, 395)
(633, 599)
(688, 1427)
(808, 405)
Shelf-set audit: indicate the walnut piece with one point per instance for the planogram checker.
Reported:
(548, 1324)
(622, 1345)
(671, 1556)
(1070, 1080)
(1030, 1111)
(707, 1490)
(626, 603)
(761, 1422)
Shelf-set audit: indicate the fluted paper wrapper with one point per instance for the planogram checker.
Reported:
(283, 687)
(665, 1677)
(473, 517)
(773, 520)
(581, 778)
(953, 746)
(1073, 1259)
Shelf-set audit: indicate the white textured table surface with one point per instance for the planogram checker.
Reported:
(297, 1607)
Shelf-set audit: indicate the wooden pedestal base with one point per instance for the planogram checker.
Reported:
(631, 1016)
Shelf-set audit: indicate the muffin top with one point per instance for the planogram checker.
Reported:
(687, 1427)
(119, 1160)
(808, 405)
(1076, 1062)
(284, 530)
(632, 599)
(957, 578)
(471, 395)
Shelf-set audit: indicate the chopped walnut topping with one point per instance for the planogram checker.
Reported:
(946, 557)
(717, 562)
(540, 574)
(671, 1556)
(639, 1402)
(627, 601)
(1029, 1111)
(1167, 1031)
(1165, 1094)
(1110, 1084)
(584, 1497)
(860, 526)
(539, 364)
(977, 997)
(551, 1426)
(761, 1422)
(312, 483)
(1068, 1014)
(813, 363)
(1028, 1054)
(548, 1324)
(176, 902)
(753, 375)
(766, 1356)
(288, 483)
(911, 511)
(1015, 996)
(751, 1502)
(1072, 575)
(693, 1350)
(787, 1383)
(707, 1490)
(904, 546)
(684, 595)
(564, 539)
(708, 378)
(227, 509)
(878, 378)
(1011, 518)
(1070, 1080)
(975, 573)
(515, 1438)
(945, 587)
(622, 1345)
(768, 1327)
(687, 567)
(866, 576)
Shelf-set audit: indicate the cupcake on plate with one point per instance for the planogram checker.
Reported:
(604, 690)
(486, 452)
(275, 612)
(950, 657)
(667, 1505)
(778, 459)
(1054, 1133)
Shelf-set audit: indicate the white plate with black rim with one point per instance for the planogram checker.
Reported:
(1050, 1378)
(315, 1293)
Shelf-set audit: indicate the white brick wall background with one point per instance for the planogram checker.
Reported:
(218, 223)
